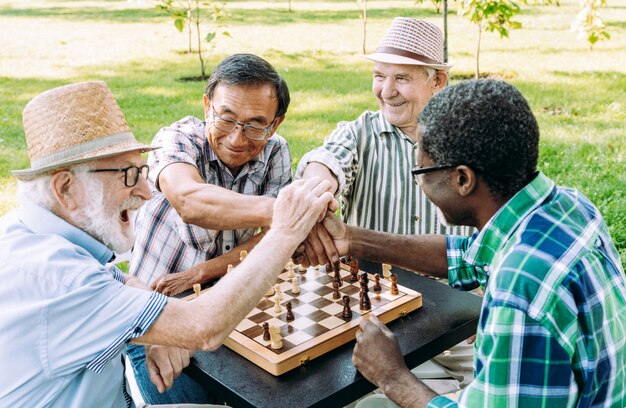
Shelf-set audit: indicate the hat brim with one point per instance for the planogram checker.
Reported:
(400, 60)
(29, 174)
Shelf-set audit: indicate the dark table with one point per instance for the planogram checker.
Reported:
(446, 318)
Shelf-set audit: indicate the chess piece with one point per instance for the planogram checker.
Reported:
(354, 271)
(275, 338)
(278, 291)
(277, 307)
(289, 316)
(336, 294)
(290, 267)
(336, 269)
(229, 268)
(364, 302)
(295, 289)
(242, 255)
(364, 280)
(394, 284)
(197, 289)
(386, 270)
(329, 267)
(269, 292)
(347, 312)
(266, 331)
(377, 287)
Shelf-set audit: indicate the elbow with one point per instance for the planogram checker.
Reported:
(211, 341)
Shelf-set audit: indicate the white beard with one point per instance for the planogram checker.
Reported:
(104, 224)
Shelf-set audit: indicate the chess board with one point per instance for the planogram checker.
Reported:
(318, 326)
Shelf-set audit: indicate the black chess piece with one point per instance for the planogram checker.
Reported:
(289, 316)
(354, 271)
(266, 331)
(347, 312)
(394, 284)
(364, 302)
(377, 287)
(337, 274)
(336, 294)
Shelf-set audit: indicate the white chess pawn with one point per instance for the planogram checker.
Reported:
(277, 307)
(296, 289)
(290, 267)
(229, 268)
(242, 254)
(278, 291)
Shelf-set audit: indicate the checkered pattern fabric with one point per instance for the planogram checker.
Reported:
(416, 36)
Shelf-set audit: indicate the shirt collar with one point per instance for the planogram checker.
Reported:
(505, 221)
(386, 127)
(42, 221)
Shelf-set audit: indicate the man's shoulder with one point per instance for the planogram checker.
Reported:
(188, 127)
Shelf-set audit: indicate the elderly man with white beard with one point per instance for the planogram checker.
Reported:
(66, 316)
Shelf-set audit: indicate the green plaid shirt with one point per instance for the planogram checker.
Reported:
(552, 330)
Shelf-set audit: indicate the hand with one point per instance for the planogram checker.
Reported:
(321, 245)
(300, 205)
(172, 284)
(377, 353)
(165, 364)
(471, 340)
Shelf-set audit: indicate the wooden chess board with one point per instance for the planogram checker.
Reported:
(318, 326)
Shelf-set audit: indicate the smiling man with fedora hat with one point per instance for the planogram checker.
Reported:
(66, 315)
(369, 160)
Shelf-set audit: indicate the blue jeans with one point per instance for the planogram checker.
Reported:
(184, 390)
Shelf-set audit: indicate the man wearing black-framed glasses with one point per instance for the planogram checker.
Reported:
(214, 182)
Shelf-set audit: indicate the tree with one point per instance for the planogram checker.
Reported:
(190, 13)
(589, 24)
(489, 15)
(363, 13)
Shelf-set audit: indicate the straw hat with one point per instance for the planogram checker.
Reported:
(74, 124)
(413, 42)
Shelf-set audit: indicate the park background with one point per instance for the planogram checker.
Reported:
(577, 92)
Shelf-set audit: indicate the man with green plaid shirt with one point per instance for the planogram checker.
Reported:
(552, 330)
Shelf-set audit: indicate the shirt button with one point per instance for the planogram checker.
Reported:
(227, 247)
(486, 268)
(417, 218)
(137, 330)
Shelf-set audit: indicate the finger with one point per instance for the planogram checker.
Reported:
(314, 243)
(155, 377)
(311, 254)
(329, 245)
(322, 187)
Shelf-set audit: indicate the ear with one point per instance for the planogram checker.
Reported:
(277, 123)
(206, 102)
(440, 81)
(65, 187)
(465, 180)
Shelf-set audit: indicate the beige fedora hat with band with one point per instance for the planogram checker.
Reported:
(74, 124)
(413, 42)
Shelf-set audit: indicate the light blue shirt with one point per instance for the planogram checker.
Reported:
(65, 317)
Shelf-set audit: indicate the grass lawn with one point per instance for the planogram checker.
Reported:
(578, 95)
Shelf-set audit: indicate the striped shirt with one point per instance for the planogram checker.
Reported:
(372, 161)
(552, 331)
(164, 243)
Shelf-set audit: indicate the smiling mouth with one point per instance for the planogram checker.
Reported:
(124, 216)
(395, 105)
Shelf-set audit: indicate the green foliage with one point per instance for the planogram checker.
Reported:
(436, 3)
(589, 23)
(491, 15)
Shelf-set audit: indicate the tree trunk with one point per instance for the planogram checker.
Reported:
(202, 70)
(189, 26)
(480, 31)
(290, 5)
(364, 15)
(445, 31)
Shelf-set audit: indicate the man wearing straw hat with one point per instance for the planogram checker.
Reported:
(213, 183)
(67, 316)
(368, 160)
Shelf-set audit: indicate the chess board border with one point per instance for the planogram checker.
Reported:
(278, 364)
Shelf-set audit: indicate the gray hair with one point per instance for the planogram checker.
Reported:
(486, 125)
(38, 191)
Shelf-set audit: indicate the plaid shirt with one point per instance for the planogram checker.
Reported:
(372, 160)
(164, 243)
(552, 330)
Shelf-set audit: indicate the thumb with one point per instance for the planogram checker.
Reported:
(155, 375)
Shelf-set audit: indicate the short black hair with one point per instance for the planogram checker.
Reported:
(249, 69)
(487, 125)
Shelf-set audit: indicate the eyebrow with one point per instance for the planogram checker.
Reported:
(259, 119)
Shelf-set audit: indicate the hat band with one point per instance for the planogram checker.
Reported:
(81, 150)
(408, 54)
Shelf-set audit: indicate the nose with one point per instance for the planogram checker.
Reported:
(236, 137)
(142, 189)
(388, 88)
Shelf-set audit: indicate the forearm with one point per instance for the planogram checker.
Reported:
(217, 208)
(420, 253)
(407, 391)
(315, 169)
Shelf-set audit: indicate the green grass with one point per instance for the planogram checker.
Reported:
(578, 96)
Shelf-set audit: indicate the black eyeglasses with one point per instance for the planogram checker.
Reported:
(252, 132)
(131, 174)
(417, 171)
